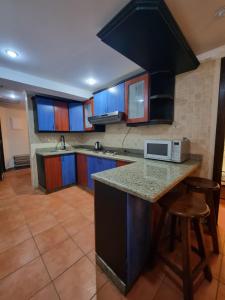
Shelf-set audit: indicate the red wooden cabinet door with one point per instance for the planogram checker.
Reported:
(120, 163)
(82, 169)
(88, 112)
(61, 116)
(53, 173)
(137, 99)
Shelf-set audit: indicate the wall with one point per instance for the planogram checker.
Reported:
(15, 142)
(196, 99)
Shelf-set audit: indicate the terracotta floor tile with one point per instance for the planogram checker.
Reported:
(109, 292)
(49, 238)
(80, 282)
(207, 290)
(61, 257)
(43, 223)
(221, 292)
(12, 238)
(75, 224)
(167, 292)
(16, 257)
(47, 293)
(64, 213)
(146, 286)
(222, 271)
(85, 239)
(215, 262)
(25, 282)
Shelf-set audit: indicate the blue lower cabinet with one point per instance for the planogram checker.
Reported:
(68, 169)
(76, 116)
(95, 165)
(91, 167)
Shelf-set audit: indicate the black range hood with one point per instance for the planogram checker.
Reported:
(146, 32)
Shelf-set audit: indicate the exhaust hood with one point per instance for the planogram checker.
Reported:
(109, 118)
(145, 32)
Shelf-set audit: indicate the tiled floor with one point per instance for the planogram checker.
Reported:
(47, 250)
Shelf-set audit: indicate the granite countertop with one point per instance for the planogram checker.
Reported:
(144, 178)
(147, 179)
(125, 157)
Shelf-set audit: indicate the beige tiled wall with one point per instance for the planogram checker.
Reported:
(194, 101)
(196, 98)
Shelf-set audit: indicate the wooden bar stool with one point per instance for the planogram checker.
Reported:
(206, 187)
(188, 210)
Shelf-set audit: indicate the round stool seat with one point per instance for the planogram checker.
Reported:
(202, 185)
(190, 207)
(187, 206)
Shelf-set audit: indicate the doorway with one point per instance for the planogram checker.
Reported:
(2, 159)
(219, 156)
(14, 141)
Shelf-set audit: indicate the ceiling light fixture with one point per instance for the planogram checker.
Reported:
(11, 53)
(91, 81)
(13, 96)
(220, 12)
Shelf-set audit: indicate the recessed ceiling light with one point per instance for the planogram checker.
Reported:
(220, 12)
(13, 96)
(11, 53)
(91, 81)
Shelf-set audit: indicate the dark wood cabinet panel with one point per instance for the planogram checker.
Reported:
(82, 169)
(137, 99)
(53, 172)
(120, 163)
(61, 116)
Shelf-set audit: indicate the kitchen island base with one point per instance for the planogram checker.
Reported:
(123, 234)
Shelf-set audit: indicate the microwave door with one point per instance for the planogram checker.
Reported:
(161, 150)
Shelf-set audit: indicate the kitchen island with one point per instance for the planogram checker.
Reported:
(125, 202)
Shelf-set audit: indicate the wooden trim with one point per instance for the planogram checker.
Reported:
(220, 135)
(146, 79)
(87, 102)
(61, 116)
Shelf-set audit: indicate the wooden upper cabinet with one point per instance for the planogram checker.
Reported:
(61, 116)
(88, 112)
(53, 173)
(137, 99)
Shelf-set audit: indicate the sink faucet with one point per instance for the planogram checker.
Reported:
(62, 140)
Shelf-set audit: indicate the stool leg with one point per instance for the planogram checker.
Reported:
(202, 249)
(173, 233)
(212, 222)
(186, 247)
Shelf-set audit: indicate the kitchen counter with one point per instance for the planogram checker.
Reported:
(147, 179)
(144, 178)
(129, 157)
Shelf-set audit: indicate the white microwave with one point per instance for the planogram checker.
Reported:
(168, 150)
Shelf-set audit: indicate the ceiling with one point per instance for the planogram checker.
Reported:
(57, 39)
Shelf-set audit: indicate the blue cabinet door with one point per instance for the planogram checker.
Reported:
(45, 114)
(108, 164)
(95, 165)
(68, 169)
(76, 116)
(91, 167)
(100, 103)
(116, 98)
